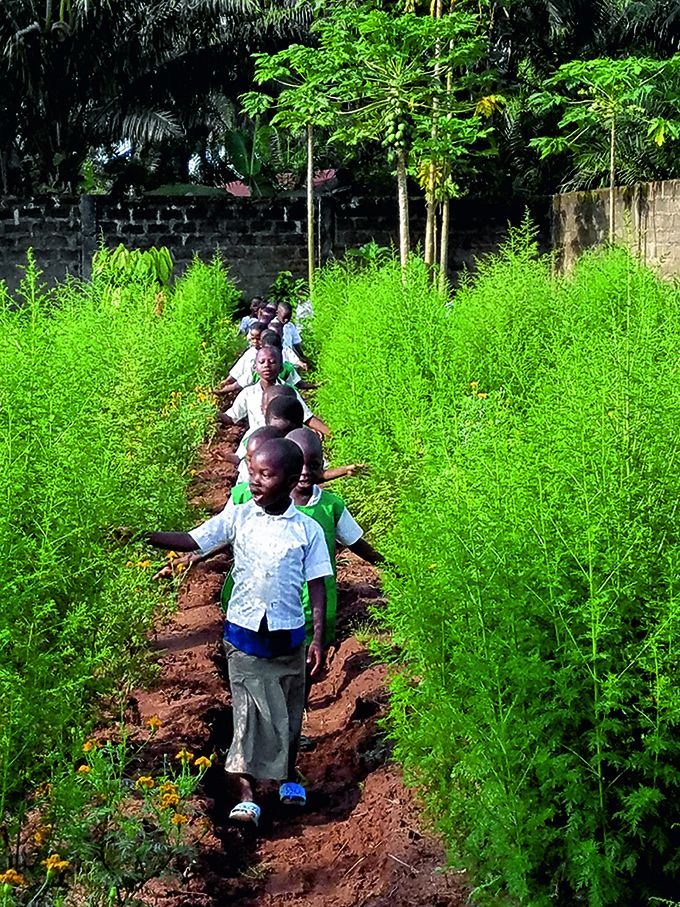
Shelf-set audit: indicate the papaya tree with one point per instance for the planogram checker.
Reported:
(598, 99)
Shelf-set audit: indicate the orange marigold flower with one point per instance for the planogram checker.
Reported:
(54, 863)
(168, 787)
(146, 782)
(154, 722)
(91, 744)
(203, 762)
(179, 819)
(83, 769)
(169, 800)
(11, 877)
(184, 755)
(43, 790)
(42, 834)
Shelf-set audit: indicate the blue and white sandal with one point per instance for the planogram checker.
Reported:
(246, 812)
(292, 794)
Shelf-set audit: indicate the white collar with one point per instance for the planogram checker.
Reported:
(287, 514)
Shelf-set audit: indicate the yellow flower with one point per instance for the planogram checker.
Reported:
(171, 554)
(42, 834)
(54, 863)
(143, 565)
(474, 385)
(11, 877)
(203, 762)
(44, 789)
(179, 819)
(169, 800)
(90, 745)
(154, 722)
(168, 787)
(84, 770)
(184, 755)
(130, 564)
(482, 396)
(146, 782)
(179, 568)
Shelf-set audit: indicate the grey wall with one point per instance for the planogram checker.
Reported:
(257, 237)
(646, 219)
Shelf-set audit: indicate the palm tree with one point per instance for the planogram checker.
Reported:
(96, 72)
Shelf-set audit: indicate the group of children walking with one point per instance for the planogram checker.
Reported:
(283, 526)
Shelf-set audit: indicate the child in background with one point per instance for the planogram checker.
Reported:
(246, 363)
(277, 550)
(291, 335)
(248, 404)
(329, 511)
(255, 303)
(283, 413)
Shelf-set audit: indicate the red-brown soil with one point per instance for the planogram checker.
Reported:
(359, 842)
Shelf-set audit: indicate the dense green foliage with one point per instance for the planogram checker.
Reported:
(102, 408)
(524, 451)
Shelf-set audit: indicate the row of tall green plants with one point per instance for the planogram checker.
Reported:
(523, 442)
(104, 398)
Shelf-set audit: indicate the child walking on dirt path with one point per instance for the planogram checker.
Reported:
(277, 550)
(248, 404)
(338, 525)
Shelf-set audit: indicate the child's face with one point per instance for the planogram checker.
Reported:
(266, 314)
(312, 471)
(269, 483)
(268, 364)
(282, 315)
(254, 339)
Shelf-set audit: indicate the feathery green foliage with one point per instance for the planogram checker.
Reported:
(524, 446)
(102, 407)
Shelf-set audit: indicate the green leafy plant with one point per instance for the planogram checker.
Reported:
(523, 443)
(103, 402)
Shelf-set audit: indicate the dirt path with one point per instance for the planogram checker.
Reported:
(358, 843)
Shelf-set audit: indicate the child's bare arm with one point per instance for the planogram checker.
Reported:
(173, 541)
(188, 560)
(339, 472)
(317, 601)
(367, 552)
(318, 426)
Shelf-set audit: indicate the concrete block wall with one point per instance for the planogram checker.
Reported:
(646, 220)
(257, 238)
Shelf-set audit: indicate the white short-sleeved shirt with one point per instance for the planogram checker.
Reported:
(244, 366)
(248, 405)
(291, 335)
(347, 530)
(274, 555)
(243, 372)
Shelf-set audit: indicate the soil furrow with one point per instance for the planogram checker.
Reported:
(359, 842)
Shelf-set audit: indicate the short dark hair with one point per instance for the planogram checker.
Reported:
(259, 326)
(286, 452)
(264, 433)
(270, 338)
(287, 307)
(285, 407)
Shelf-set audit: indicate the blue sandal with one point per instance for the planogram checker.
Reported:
(246, 811)
(292, 794)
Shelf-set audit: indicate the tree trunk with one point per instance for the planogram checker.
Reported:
(310, 207)
(444, 247)
(402, 197)
(612, 179)
(430, 193)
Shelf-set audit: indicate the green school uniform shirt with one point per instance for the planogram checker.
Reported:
(327, 512)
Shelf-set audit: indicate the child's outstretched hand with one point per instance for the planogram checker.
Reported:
(315, 658)
(357, 469)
